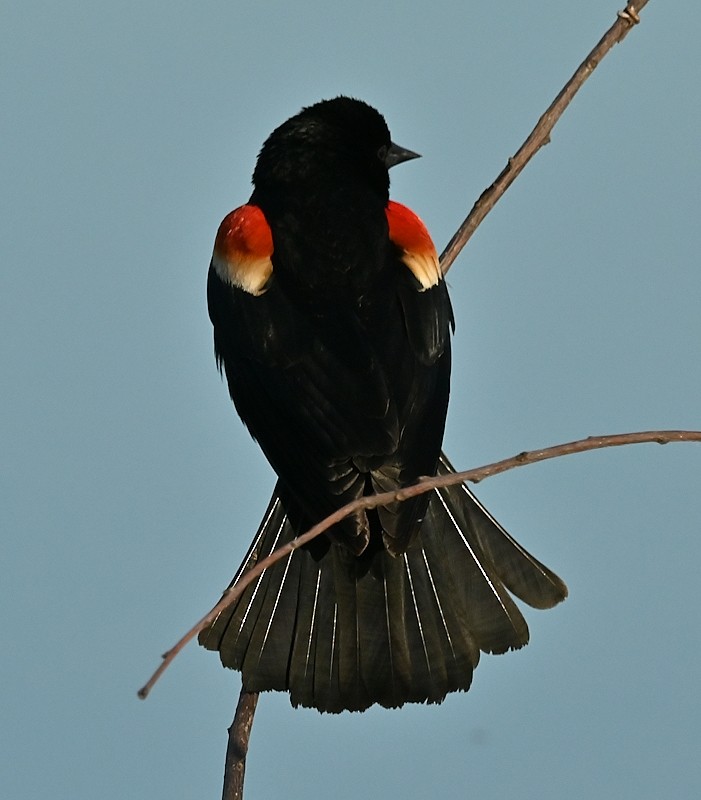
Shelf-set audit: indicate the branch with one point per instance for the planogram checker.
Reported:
(239, 734)
(424, 485)
(540, 135)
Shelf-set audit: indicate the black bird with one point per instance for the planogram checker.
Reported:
(332, 323)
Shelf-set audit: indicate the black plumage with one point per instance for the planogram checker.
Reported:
(339, 366)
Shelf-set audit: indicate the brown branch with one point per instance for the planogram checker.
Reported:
(239, 734)
(540, 135)
(425, 485)
(240, 729)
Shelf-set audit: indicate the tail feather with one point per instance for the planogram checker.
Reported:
(312, 603)
(323, 667)
(346, 649)
(272, 637)
(377, 654)
(437, 671)
(391, 620)
(406, 628)
(491, 615)
(236, 627)
(520, 572)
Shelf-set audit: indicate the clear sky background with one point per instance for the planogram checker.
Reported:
(130, 490)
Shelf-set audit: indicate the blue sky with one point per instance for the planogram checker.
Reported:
(129, 490)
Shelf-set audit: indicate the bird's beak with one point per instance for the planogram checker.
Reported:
(397, 154)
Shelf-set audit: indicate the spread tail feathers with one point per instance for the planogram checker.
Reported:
(406, 628)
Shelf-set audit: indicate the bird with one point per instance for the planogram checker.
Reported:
(332, 326)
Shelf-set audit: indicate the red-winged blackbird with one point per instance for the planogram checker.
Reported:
(332, 323)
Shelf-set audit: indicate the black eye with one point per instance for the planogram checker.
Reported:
(382, 153)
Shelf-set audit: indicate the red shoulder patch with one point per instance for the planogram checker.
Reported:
(411, 236)
(243, 250)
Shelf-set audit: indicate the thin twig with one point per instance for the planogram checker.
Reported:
(540, 135)
(239, 734)
(425, 485)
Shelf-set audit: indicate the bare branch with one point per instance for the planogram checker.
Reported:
(425, 485)
(239, 734)
(540, 135)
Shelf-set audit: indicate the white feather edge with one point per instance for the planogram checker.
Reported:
(425, 268)
(251, 275)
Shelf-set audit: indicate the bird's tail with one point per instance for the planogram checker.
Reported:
(402, 629)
